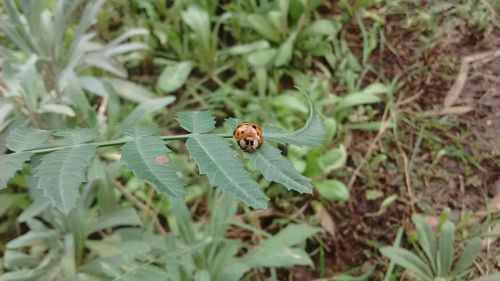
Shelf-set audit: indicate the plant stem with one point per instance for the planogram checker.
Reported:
(117, 142)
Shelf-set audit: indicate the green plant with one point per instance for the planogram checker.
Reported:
(434, 260)
(63, 168)
(54, 61)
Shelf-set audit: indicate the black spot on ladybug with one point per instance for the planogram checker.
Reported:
(253, 126)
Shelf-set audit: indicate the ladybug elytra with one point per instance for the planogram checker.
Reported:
(248, 135)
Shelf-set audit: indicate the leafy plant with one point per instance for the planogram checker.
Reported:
(61, 171)
(51, 66)
(435, 256)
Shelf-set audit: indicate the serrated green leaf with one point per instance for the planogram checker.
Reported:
(10, 164)
(142, 131)
(147, 158)
(196, 121)
(24, 138)
(148, 107)
(76, 136)
(274, 167)
(174, 76)
(408, 260)
(217, 160)
(60, 174)
(310, 135)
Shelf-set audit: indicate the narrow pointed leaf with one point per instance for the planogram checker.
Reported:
(24, 138)
(408, 260)
(274, 167)
(61, 172)
(216, 159)
(196, 121)
(10, 164)
(446, 247)
(468, 256)
(148, 107)
(147, 158)
(310, 135)
(426, 239)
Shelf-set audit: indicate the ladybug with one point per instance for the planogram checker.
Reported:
(248, 135)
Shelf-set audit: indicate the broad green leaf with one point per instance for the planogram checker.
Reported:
(24, 138)
(60, 174)
(199, 21)
(333, 159)
(312, 134)
(196, 121)
(290, 100)
(262, 57)
(217, 160)
(323, 27)
(10, 164)
(274, 167)
(76, 136)
(333, 190)
(174, 76)
(426, 239)
(468, 256)
(147, 158)
(285, 52)
(148, 107)
(408, 260)
(446, 247)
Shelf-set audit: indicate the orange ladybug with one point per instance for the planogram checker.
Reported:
(248, 135)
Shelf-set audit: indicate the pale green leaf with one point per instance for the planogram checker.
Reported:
(147, 158)
(217, 160)
(312, 134)
(285, 52)
(174, 76)
(10, 164)
(333, 190)
(426, 239)
(261, 57)
(24, 138)
(148, 107)
(196, 121)
(468, 256)
(274, 167)
(493, 277)
(58, 109)
(119, 217)
(76, 136)
(333, 159)
(291, 235)
(142, 131)
(261, 25)
(129, 90)
(408, 260)
(446, 247)
(247, 48)
(323, 27)
(60, 174)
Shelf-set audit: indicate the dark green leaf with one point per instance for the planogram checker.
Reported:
(274, 167)
(24, 138)
(196, 121)
(147, 158)
(217, 160)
